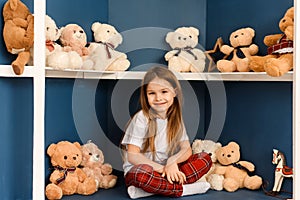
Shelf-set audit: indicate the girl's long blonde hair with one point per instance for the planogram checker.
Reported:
(174, 113)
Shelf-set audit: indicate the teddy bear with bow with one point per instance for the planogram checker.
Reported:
(210, 147)
(184, 56)
(67, 178)
(237, 56)
(18, 33)
(103, 54)
(94, 166)
(280, 49)
(237, 173)
(56, 57)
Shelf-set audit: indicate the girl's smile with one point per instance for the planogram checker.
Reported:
(160, 95)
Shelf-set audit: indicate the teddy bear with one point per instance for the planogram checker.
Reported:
(184, 56)
(280, 49)
(67, 178)
(18, 33)
(73, 38)
(103, 53)
(210, 147)
(237, 173)
(56, 57)
(94, 166)
(238, 54)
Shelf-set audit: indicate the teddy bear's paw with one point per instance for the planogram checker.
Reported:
(272, 68)
(226, 66)
(230, 185)
(53, 192)
(88, 187)
(253, 182)
(18, 69)
(216, 181)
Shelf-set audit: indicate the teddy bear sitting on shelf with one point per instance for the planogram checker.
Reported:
(94, 166)
(184, 56)
(67, 178)
(280, 49)
(237, 173)
(238, 54)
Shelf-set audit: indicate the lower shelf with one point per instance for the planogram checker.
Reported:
(119, 193)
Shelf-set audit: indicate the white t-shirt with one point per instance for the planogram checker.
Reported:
(136, 132)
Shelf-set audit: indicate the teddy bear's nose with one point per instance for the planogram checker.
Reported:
(97, 156)
(74, 158)
(236, 36)
(228, 155)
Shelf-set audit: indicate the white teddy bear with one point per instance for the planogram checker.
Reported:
(55, 56)
(210, 147)
(103, 55)
(185, 57)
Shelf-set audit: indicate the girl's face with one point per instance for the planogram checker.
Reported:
(160, 95)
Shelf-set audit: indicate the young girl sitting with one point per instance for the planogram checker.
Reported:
(158, 158)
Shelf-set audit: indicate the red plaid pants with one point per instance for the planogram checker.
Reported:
(143, 176)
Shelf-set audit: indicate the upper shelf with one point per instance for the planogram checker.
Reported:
(6, 71)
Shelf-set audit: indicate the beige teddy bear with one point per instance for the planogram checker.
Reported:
(280, 49)
(103, 53)
(240, 51)
(94, 166)
(237, 173)
(184, 56)
(210, 147)
(56, 57)
(67, 178)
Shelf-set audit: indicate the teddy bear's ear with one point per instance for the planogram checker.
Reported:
(51, 149)
(234, 145)
(251, 31)
(194, 30)
(77, 145)
(218, 144)
(13, 4)
(169, 37)
(95, 26)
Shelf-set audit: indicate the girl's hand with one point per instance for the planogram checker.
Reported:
(173, 174)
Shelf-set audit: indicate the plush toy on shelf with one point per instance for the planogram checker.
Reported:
(67, 178)
(184, 56)
(94, 166)
(210, 147)
(18, 33)
(103, 53)
(56, 57)
(237, 173)
(238, 54)
(280, 49)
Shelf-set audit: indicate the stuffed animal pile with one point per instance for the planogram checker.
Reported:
(184, 56)
(238, 54)
(18, 33)
(210, 147)
(94, 166)
(103, 54)
(67, 178)
(237, 173)
(56, 57)
(280, 49)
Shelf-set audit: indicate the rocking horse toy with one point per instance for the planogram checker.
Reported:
(281, 171)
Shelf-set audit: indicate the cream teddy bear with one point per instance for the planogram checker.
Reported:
(239, 53)
(210, 147)
(94, 166)
(103, 53)
(56, 57)
(237, 173)
(184, 56)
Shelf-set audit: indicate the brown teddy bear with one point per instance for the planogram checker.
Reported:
(18, 33)
(67, 178)
(93, 165)
(280, 49)
(237, 174)
(237, 55)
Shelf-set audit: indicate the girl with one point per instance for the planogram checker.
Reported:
(158, 157)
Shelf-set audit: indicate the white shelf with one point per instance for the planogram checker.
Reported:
(7, 71)
(138, 75)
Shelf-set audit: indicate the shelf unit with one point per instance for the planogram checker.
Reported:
(39, 74)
